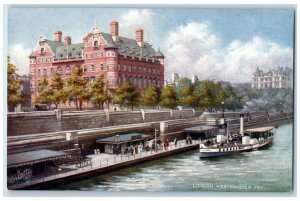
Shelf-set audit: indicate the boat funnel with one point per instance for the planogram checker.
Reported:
(242, 124)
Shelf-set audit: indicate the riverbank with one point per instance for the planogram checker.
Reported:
(101, 164)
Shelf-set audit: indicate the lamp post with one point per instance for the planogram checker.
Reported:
(155, 133)
(222, 110)
(267, 114)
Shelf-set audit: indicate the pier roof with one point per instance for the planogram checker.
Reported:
(199, 129)
(124, 138)
(259, 130)
(32, 157)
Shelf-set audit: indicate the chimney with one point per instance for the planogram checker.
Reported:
(67, 40)
(57, 36)
(242, 124)
(84, 39)
(114, 30)
(139, 37)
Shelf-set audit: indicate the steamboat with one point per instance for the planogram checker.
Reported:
(245, 140)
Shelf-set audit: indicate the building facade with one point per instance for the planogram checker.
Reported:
(118, 58)
(281, 78)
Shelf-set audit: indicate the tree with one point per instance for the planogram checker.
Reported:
(99, 93)
(187, 96)
(127, 94)
(14, 96)
(77, 87)
(210, 94)
(169, 97)
(152, 96)
(59, 92)
(45, 93)
(231, 100)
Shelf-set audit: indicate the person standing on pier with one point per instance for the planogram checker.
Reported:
(167, 144)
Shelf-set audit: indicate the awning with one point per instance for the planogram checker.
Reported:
(258, 130)
(119, 139)
(32, 157)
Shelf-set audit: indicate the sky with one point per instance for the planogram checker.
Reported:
(213, 43)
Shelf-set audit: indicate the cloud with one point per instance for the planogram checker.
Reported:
(195, 49)
(19, 57)
(136, 19)
(241, 59)
(191, 47)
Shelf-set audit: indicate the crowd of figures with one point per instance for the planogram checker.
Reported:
(150, 146)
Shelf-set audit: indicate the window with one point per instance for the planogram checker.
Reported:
(68, 70)
(129, 68)
(42, 50)
(52, 71)
(102, 67)
(38, 72)
(124, 68)
(119, 67)
(86, 79)
(124, 79)
(92, 78)
(59, 70)
(45, 71)
(84, 68)
(93, 67)
(96, 43)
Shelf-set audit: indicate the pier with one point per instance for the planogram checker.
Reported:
(102, 163)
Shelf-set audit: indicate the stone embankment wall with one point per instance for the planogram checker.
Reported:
(23, 123)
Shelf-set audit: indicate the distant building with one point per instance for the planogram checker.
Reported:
(246, 85)
(195, 79)
(223, 84)
(175, 78)
(281, 78)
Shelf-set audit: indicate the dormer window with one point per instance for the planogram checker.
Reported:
(42, 50)
(96, 43)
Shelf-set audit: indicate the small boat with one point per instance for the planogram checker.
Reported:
(247, 140)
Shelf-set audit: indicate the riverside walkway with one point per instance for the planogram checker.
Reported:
(98, 164)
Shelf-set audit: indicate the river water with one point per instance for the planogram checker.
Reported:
(265, 170)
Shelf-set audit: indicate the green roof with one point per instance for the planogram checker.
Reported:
(125, 47)
(70, 51)
(54, 44)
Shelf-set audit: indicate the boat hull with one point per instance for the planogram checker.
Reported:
(205, 153)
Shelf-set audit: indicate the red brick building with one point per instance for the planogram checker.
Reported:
(118, 58)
